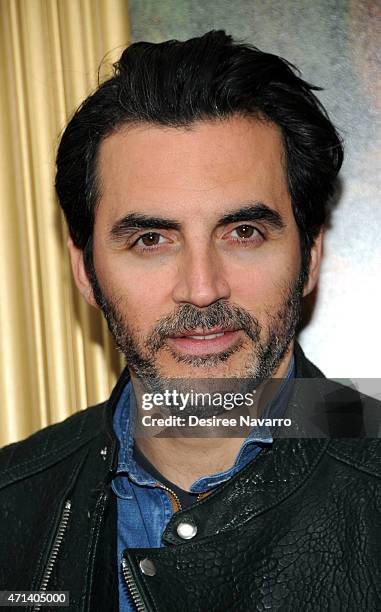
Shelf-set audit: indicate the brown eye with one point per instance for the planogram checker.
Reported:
(245, 231)
(150, 239)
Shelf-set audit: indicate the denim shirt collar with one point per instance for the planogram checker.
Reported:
(124, 421)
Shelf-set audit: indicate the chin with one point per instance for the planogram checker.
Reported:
(231, 368)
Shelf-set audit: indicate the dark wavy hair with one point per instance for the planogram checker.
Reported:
(211, 77)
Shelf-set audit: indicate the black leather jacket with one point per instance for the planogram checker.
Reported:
(297, 529)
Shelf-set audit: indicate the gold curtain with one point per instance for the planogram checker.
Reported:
(56, 355)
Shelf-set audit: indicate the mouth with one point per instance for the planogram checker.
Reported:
(204, 341)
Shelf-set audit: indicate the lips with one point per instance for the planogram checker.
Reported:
(203, 333)
(208, 337)
(204, 341)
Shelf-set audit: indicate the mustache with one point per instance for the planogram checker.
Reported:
(188, 317)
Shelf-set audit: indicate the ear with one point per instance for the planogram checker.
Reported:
(314, 269)
(80, 274)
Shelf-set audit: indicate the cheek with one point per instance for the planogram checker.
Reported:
(259, 284)
(256, 292)
(142, 298)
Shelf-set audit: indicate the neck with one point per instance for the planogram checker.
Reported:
(183, 460)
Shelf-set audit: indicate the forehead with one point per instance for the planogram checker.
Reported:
(201, 170)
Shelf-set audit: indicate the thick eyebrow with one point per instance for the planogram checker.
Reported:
(135, 221)
(256, 211)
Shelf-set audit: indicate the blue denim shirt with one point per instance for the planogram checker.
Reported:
(144, 509)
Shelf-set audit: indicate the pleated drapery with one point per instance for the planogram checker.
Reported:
(56, 354)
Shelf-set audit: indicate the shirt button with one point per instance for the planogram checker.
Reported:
(186, 531)
(147, 567)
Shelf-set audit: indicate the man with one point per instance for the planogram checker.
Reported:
(195, 184)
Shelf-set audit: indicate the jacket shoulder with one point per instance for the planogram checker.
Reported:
(363, 454)
(50, 445)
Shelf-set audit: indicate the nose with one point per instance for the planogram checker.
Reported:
(201, 278)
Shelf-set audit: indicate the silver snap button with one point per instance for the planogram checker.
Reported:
(186, 531)
(147, 567)
(104, 453)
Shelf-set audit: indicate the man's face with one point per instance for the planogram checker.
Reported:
(195, 238)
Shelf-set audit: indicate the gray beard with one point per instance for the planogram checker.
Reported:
(263, 360)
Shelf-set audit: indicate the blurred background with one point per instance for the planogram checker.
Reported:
(56, 355)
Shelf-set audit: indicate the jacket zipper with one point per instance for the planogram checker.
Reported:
(130, 582)
(126, 571)
(55, 549)
(202, 495)
(174, 498)
(132, 588)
